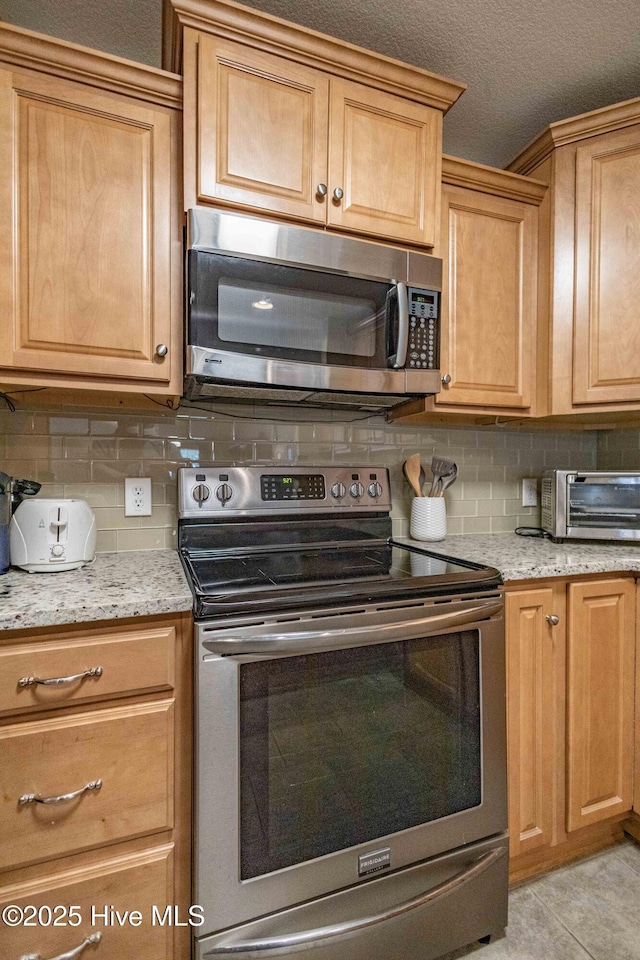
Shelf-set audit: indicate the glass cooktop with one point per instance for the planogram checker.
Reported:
(341, 571)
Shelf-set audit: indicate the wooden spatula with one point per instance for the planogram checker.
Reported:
(411, 469)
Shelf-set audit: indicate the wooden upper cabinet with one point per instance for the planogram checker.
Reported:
(280, 119)
(90, 250)
(262, 130)
(489, 247)
(607, 281)
(89, 221)
(590, 260)
(278, 136)
(384, 157)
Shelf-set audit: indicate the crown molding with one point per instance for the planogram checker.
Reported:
(476, 176)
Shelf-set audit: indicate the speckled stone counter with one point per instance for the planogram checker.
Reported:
(117, 585)
(526, 558)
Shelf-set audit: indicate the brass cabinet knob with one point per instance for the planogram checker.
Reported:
(552, 619)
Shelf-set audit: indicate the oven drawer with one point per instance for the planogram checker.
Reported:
(126, 883)
(55, 673)
(128, 750)
(442, 904)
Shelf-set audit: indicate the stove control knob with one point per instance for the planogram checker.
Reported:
(57, 550)
(338, 491)
(375, 489)
(224, 493)
(356, 490)
(200, 493)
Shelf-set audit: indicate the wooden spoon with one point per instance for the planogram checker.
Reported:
(411, 468)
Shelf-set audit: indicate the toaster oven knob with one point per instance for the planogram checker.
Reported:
(356, 490)
(338, 491)
(57, 550)
(224, 493)
(375, 489)
(200, 493)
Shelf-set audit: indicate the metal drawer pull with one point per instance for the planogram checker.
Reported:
(63, 798)
(55, 681)
(70, 954)
(309, 937)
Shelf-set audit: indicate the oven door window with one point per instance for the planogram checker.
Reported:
(283, 312)
(341, 748)
(615, 505)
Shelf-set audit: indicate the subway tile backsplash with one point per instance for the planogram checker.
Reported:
(89, 454)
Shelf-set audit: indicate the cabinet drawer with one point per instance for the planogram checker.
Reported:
(128, 662)
(134, 882)
(129, 749)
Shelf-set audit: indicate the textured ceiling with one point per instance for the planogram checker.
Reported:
(525, 64)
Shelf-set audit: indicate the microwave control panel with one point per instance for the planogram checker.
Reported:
(424, 336)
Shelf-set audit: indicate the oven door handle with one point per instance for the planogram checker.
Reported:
(319, 641)
(348, 927)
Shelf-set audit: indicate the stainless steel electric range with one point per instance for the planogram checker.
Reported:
(350, 794)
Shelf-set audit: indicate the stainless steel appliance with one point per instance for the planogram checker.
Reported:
(280, 313)
(350, 796)
(591, 505)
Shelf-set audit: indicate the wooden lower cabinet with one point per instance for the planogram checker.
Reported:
(600, 700)
(113, 748)
(535, 713)
(570, 716)
(99, 894)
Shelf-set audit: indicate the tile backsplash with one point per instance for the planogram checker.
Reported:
(88, 453)
(618, 450)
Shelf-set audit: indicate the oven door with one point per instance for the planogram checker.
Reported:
(342, 745)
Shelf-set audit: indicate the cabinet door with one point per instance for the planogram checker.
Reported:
(489, 249)
(261, 130)
(535, 719)
(600, 700)
(607, 279)
(85, 196)
(385, 157)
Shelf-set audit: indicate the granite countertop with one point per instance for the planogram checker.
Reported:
(137, 584)
(527, 558)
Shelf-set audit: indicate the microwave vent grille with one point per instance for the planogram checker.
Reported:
(212, 390)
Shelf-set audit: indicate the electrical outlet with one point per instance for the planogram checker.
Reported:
(137, 497)
(529, 492)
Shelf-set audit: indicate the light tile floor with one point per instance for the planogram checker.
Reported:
(586, 911)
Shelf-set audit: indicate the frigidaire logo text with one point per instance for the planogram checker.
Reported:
(373, 862)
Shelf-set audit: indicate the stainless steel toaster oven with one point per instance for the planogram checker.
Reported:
(591, 505)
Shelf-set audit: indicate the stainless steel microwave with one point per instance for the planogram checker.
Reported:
(284, 313)
(591, 505)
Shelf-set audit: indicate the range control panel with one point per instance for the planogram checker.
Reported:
(224, 490)
(424, 346)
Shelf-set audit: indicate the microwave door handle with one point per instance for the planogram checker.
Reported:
(321, 641)
(400, 358)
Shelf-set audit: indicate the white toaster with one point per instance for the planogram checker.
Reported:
(49, 535)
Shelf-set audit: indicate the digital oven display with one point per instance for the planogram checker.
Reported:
(423, 298)
(308, 486)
